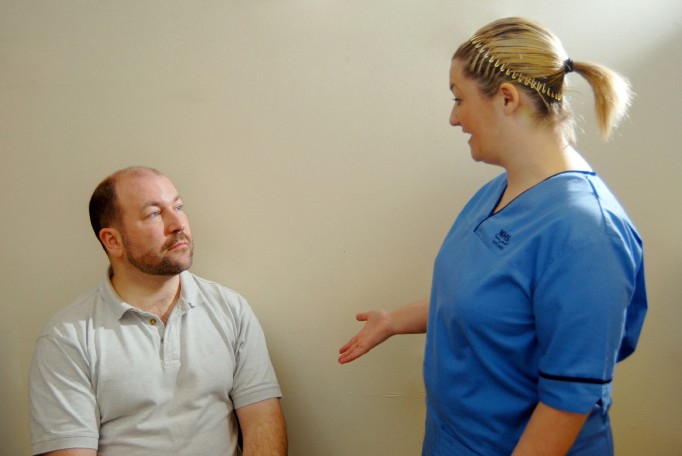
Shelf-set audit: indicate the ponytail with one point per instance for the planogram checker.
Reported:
(612, 95)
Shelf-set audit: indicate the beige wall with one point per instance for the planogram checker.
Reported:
(310, 142)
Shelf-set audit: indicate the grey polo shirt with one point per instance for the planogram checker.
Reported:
(109, 377)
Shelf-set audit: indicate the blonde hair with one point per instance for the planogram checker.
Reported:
(529, 55)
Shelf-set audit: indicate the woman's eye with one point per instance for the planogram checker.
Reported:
(457, 101)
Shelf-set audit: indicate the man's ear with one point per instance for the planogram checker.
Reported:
(111, 238)
(510, 97)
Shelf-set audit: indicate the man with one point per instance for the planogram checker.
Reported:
(155, 360)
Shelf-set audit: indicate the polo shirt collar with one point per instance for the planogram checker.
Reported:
(189, 295)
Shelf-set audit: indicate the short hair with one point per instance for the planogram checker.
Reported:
(529, 55)
(104, 208)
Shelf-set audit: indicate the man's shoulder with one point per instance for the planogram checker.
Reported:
(209, 291)
(204, 284)
(75, 314)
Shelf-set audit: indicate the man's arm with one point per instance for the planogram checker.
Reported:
(72, 452)
(549, 432)
(263, 429)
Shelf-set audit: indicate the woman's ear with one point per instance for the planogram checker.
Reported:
(111, 238)
(510, 97)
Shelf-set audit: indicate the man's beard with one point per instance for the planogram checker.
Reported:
(150, 263)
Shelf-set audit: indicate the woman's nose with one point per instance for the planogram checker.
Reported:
(454, 120)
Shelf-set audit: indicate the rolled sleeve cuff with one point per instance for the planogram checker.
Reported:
(573, 395)
(252, 397)
(63, 443)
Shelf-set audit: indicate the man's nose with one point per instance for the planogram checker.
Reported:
(176, 221)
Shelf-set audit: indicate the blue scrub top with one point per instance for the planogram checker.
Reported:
(536, 302)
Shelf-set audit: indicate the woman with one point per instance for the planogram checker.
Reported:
(538, 289)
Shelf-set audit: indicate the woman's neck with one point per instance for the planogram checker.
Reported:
(535, 160)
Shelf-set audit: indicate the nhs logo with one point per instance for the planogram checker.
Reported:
(501, 239)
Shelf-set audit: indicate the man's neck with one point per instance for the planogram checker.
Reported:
(150, 293)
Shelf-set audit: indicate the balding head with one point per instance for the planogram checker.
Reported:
(104, 208)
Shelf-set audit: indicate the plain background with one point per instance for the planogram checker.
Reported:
(310, 142)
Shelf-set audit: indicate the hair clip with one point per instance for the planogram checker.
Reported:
(483, 56)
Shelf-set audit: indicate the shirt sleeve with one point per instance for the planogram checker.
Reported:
(63, 409)
(254, 378)
(581, 306)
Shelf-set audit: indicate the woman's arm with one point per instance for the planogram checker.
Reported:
(549, 432)
(380, 325)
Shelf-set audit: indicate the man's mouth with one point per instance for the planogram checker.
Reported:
(177, 245)
(179, 241)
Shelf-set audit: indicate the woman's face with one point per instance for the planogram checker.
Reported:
(476, 114)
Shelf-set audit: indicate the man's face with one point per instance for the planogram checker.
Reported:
(154, 228)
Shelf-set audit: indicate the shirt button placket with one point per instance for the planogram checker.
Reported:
(160, 328)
